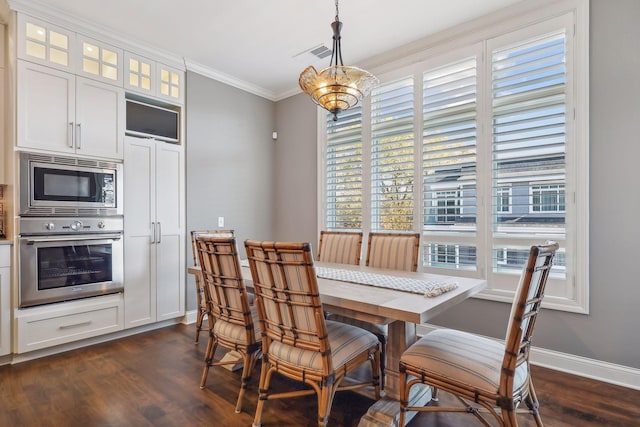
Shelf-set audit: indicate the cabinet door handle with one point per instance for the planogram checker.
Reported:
(75, 325)
(79, 136)
(153, 227)
(159, 233)
(70, 135)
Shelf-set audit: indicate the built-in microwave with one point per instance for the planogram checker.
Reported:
(52, 185)
(152, 121)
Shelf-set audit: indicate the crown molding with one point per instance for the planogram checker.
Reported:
(227, 79)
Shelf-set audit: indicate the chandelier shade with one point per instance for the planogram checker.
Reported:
(338, 87)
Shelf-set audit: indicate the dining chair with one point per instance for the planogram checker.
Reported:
(392, 251)
(340, 247)
(232, 317)
(202, 305)
(297, 341)
(493, 375)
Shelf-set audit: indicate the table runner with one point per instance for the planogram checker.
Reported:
(428, 288)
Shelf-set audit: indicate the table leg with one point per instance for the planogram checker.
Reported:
(386, 411)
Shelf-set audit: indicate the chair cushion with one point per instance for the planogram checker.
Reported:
(378, 330)
(346, 342)
(236, 333)
(462, 357)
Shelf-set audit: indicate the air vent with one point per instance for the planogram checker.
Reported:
(321, 52)
(88, 212)
(65, 211)
(87, 163)
(313, 55)
(64, 161)
(40, 211)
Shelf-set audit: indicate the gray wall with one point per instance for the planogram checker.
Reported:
(609, 332)
(230, 160)
(296, 171)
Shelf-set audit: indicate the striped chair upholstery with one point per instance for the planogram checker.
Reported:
(233, 320)
(202, 304)
(341, 247)
(297, 341)
(394, 251)
(495, 376)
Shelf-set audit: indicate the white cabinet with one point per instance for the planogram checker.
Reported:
(55, 324)
(58, 111)
(5, 299)
(154, 268)
(150, 78)
(47, 44)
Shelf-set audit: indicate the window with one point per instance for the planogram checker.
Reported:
(343, 168)
(392, 156)
(482, 148)
(547, 198)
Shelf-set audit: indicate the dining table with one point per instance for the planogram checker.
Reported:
(381, 297)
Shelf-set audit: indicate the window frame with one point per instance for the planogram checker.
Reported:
(572, 293)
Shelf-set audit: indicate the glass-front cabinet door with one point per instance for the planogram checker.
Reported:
(139, 74)
(45, 43)
(170, 83)
(99, 61)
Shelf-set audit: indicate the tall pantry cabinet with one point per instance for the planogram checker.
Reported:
(154, 225)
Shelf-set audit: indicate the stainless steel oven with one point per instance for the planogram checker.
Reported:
(63, 259)
(52, 185)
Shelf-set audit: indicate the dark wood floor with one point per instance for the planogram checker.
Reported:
(152, 379)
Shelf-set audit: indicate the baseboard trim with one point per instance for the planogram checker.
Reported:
(624, 376)
(190, 317)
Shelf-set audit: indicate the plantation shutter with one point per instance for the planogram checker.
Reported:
(529, 84)
(449, 165)
(344, 171)
(392, 156)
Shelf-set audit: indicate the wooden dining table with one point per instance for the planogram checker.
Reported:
(401, 311)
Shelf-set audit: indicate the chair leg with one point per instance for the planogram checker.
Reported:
(325, 400)
(403, 397)
(383, 357)
(509, 418)
(199, 320)
(263, 395)
(532, 403)
(212, 343)
(247, 367)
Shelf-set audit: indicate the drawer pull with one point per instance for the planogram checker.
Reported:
(75, 325)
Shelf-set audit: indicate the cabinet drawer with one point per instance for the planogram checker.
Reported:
(40, 330)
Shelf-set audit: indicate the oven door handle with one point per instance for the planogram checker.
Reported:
(77, 237)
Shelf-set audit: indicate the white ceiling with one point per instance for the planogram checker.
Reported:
(255, 41)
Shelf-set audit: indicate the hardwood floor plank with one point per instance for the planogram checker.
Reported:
(152, 379)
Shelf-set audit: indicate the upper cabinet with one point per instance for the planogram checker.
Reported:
(58, 111)
(99, 61)
(151, 78)
(47, 44)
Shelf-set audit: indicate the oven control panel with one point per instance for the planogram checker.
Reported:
(30, 226)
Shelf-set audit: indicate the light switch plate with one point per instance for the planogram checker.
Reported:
(220, 221)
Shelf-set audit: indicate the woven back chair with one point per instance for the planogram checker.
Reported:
(202, 305)
(341, 247)
(233, 326)
(478, 370)
(297, 341)
(393, 251)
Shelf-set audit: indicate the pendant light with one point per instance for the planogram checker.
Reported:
(338, 87)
